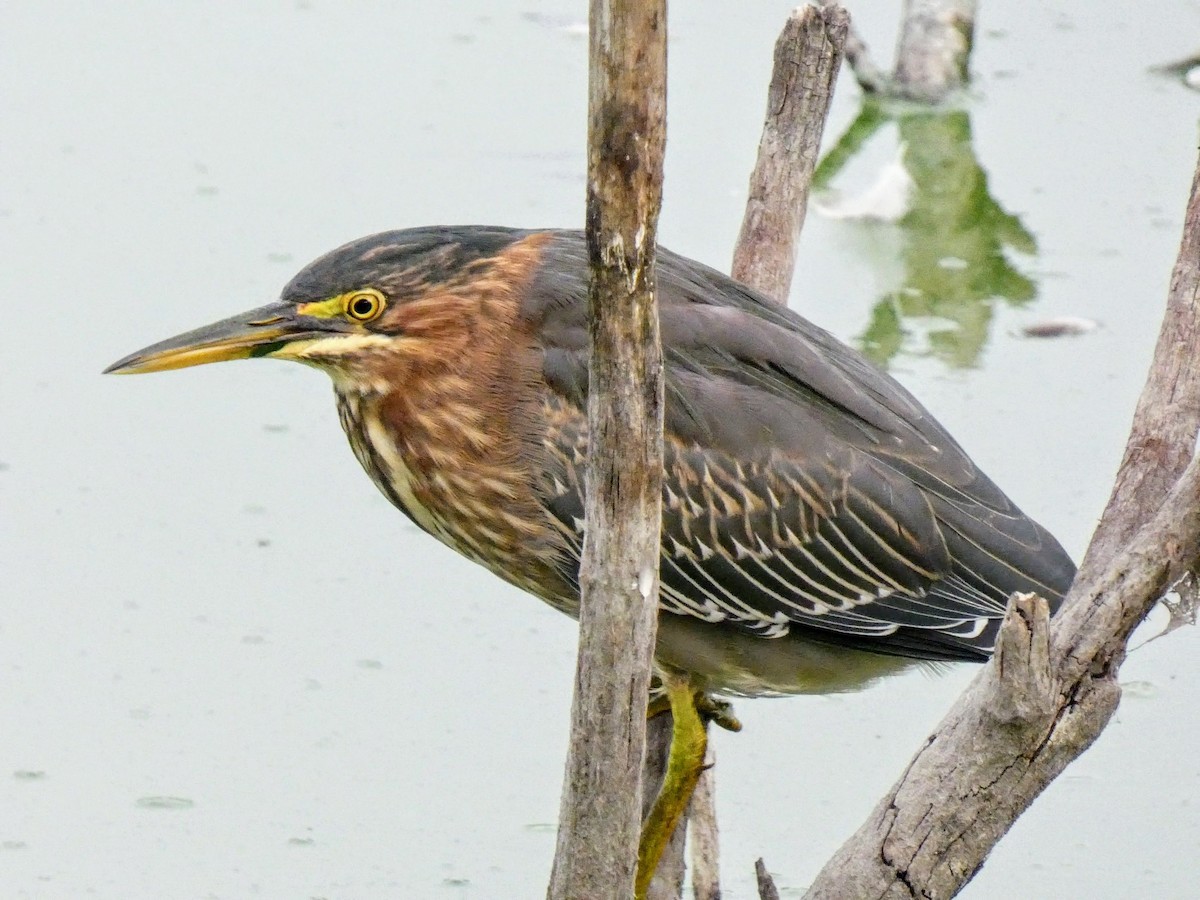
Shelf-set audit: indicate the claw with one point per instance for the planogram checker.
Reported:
(719, 712)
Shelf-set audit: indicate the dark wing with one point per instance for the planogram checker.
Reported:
(807, 491)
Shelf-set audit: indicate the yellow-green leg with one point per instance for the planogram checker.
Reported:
(689, 741)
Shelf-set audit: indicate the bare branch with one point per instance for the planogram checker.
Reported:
(1049, 691)
(807, 56)
(600, 815)
(1167, 416)
(999, 746)
(766, 884)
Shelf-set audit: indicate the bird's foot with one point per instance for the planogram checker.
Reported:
(719, 712)
(711, 709)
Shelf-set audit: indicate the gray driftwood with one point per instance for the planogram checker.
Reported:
(600, 816)
(808, 54)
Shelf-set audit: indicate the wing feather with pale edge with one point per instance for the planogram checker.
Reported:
(807, 491)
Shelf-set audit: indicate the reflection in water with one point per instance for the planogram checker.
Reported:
(955, 236)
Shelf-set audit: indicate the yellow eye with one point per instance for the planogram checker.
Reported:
(364, 305)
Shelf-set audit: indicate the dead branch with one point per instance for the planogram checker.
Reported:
(932, 55)
(667, 883)
(808, 54)
(1167, 416)
(766, 884)
(600, 816)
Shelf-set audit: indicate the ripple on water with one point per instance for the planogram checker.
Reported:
(159, 802)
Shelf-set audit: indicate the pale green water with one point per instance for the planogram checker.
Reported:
(229, 669)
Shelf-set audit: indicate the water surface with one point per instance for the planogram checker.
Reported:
(228, 668)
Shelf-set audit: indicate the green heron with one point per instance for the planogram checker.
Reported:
(820, 528)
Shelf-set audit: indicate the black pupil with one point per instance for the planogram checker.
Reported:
(363, 306)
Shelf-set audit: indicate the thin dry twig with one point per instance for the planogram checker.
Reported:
(808, 54)
(667, 883)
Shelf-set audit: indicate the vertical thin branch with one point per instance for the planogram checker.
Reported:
(600, 815)
(808, 54)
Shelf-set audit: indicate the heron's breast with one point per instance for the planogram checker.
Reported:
(477, 507)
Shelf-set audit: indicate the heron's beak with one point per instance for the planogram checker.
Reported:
(254, 333)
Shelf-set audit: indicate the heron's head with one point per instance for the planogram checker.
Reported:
(396, 297)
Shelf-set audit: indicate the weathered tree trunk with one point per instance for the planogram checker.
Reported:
(1052, 687)
(600, 816)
